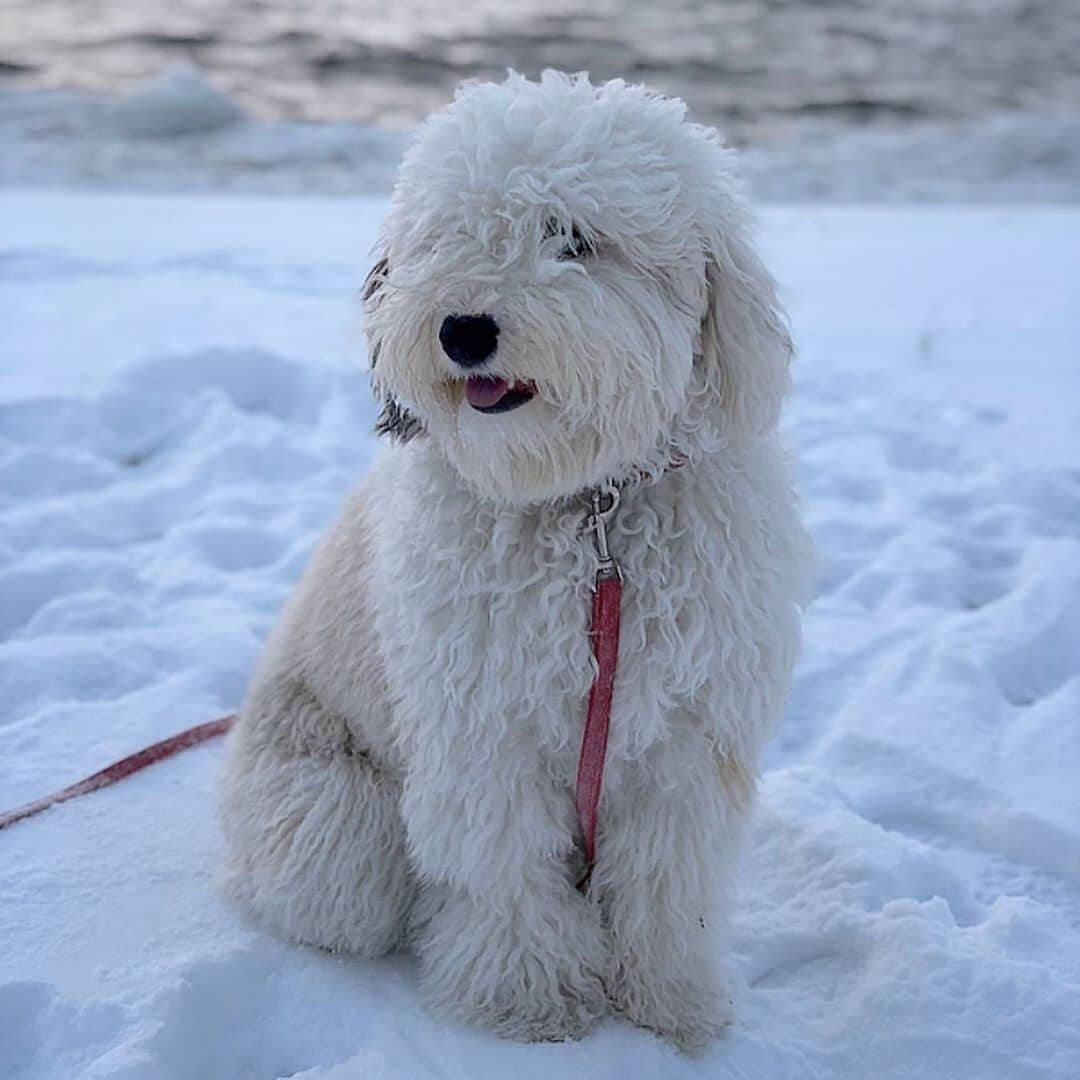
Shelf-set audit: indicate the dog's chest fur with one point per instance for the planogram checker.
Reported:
(482, 613)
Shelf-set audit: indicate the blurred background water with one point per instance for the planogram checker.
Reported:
(756, 68)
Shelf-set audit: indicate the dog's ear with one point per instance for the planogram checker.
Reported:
(375, 279)
(393, 419)
(745, 345)
(371, 293)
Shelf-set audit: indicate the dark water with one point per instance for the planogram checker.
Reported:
(756, 67)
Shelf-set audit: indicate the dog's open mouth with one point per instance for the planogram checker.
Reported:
(488, 394)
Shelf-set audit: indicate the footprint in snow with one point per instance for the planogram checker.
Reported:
(263, 1013)
(48, 1035)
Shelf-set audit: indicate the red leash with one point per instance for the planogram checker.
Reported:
(590, 773)
(134, 763)
(604, 632)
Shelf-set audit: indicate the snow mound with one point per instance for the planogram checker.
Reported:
(1021, 157)
(170, 450)
(178, 132)
(179, 101)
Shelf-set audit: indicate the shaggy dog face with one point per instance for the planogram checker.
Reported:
(564, 291)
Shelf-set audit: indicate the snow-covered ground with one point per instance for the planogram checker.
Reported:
(183, 404)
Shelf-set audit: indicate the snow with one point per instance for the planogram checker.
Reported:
(1022, 157)
(178, 132)
(178, 101)
(182, 406)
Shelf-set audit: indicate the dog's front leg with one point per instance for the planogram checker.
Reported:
(668, 841)
(504, 939)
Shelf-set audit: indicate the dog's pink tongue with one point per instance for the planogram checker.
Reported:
(482, 391)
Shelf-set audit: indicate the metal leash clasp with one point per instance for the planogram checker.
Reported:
(603, 503)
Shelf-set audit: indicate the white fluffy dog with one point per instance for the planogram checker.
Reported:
(566, 297)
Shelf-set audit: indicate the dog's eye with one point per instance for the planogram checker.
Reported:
(575, 245)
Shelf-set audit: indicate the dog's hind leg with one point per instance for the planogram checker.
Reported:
(313, 826)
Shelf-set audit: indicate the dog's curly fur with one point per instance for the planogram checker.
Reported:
(403, 770)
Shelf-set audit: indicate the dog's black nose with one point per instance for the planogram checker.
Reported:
(468, 339)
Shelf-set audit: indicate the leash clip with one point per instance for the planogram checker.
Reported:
(603, 503)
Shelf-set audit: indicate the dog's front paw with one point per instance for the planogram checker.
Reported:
(533, 980)
(688, 1012)
(539, 1002)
